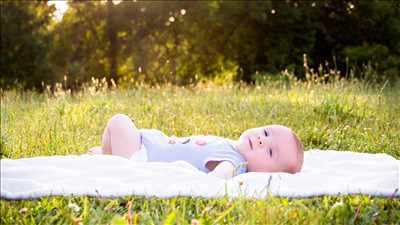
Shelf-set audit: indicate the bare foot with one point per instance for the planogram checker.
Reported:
(95, 151)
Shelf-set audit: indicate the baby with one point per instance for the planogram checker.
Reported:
(272, 148)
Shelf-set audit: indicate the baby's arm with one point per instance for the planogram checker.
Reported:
(224, 169)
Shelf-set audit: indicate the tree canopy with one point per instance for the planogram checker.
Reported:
(184, 42)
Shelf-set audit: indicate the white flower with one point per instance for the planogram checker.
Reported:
(337, 204)
(74, 207)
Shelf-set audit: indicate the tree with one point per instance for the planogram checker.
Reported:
(112, 41)
(25, 44)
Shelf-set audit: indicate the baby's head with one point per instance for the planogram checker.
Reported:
(273, 148)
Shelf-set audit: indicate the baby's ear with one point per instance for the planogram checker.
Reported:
(300, 153)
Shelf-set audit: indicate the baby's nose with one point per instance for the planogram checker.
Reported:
(260, 142)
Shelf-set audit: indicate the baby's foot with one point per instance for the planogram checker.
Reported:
(95, 151)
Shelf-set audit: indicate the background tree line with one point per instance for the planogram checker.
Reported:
(185, 42)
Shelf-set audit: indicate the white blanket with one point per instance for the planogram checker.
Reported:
(324, 173)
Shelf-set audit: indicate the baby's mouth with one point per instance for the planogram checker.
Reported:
(251, 144)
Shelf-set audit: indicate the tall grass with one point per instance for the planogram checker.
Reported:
(340, 115)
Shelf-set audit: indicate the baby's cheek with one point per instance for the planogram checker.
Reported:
(260, 164)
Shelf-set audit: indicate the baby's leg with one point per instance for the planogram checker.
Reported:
(120, 137)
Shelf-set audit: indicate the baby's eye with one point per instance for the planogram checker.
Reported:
(270, 152)
(266, 133)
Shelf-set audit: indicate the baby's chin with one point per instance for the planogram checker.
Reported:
(265, 168)
(258, 169)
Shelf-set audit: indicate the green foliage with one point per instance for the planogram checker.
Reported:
(372, 58)
(78, 46)
(186, 42)
(25, 44)
(355, 209)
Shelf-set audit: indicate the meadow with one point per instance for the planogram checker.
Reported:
(342, 115)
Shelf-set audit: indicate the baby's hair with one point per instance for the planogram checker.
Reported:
(300, 155)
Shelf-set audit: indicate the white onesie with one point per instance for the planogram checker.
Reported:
(155, 147)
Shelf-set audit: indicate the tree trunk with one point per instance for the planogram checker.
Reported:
(113, 42)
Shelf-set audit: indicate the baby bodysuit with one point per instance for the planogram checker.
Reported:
(158, 149)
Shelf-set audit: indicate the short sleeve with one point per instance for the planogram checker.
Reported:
(237, 161)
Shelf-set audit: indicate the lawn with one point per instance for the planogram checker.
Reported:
(342, 115)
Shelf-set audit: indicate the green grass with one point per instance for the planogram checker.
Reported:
(341, 115)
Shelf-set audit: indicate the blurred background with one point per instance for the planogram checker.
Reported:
(186, 42)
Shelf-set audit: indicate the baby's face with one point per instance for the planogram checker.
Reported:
(271, 148)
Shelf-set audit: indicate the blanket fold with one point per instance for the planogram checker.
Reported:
(325, 172)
